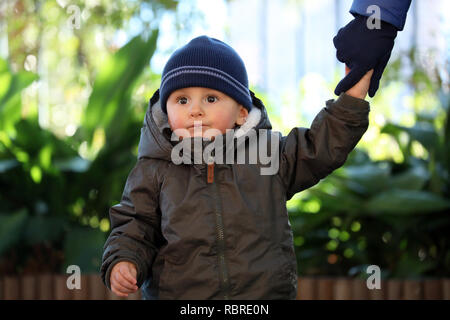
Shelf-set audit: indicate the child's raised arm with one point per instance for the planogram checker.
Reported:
(310, 154)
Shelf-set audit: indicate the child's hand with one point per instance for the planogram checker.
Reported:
(359, 90)
(123, 278)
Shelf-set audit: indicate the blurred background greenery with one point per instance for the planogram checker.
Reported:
(388, 205)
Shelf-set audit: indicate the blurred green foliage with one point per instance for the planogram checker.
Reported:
(385, 207)
(43, 37)
(386, 212)
(55, 202)
(56, 186)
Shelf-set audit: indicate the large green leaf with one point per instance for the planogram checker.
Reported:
(110, 98)
(426, 134)
(412, 179)
(409, 266)
(423, 132)
(11, 86)
(368, 178)
(11, 227)
(44, 228)
(340, 201)
(83, 247)
(307, 222)
(42, 147)
(398, 201)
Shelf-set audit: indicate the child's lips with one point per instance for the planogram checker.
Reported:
(198, 126)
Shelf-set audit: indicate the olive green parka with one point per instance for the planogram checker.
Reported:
(205, 230)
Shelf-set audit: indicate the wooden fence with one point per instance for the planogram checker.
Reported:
(53, 287)
(327, 288)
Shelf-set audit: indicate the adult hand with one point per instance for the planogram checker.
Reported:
(363, 49)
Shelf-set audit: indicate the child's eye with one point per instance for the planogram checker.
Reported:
(212, 99)
(182, 100)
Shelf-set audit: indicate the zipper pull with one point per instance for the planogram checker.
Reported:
(210, 172)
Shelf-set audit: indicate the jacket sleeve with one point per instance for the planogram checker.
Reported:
(308, 155)
(135, 224)
(392, 11)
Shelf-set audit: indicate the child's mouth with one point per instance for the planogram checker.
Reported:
(200, 126)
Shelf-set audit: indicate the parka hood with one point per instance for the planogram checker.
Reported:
(155, 141)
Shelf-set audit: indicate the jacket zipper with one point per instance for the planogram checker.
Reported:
(210, 173)
(224, 278)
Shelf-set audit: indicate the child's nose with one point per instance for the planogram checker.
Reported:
(196, 110)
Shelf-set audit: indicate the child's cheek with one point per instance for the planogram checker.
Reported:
(177, 125)
(224, 120)
(175, 119)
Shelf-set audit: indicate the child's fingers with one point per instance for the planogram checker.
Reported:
(350, 80)
(125, 272)
(124, 282)
(118, 293)
(118, 286)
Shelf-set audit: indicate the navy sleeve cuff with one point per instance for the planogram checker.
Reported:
(393, 11)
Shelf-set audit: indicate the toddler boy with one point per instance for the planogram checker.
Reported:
(211, 229)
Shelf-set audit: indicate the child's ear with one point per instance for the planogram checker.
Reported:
(242, 115)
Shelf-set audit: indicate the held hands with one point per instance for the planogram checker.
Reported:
(123, 278)
(359, 90)
(363, 49)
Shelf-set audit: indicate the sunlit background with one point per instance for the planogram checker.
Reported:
(286, 45)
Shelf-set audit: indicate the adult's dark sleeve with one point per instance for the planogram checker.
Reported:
(391, 11)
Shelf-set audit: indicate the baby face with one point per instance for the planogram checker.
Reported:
(198, 110)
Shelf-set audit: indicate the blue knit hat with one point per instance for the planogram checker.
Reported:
(206, 62)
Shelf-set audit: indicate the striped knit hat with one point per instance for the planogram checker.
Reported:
(206, 62)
